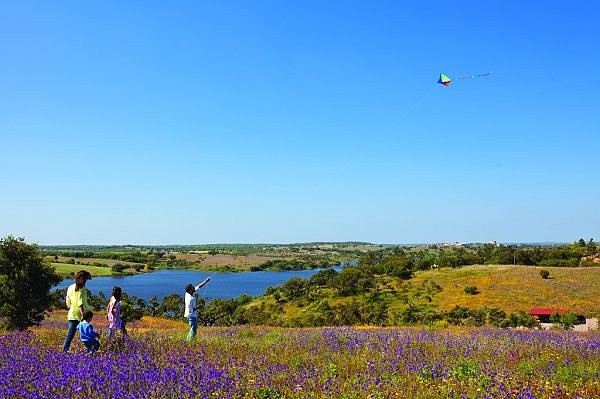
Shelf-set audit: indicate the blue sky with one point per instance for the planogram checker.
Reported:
(192, 122)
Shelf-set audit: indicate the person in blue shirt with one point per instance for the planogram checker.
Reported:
(89, 337)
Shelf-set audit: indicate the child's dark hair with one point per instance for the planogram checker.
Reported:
(87, 315)
(189, 289)
(116, 292)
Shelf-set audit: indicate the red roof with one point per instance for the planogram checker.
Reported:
(546, 311)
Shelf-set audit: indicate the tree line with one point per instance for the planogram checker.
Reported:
(579, 253)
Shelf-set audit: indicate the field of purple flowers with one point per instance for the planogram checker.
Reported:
(267, 363)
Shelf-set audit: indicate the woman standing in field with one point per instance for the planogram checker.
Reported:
(77, 302)
(113, 313)
(191, 308)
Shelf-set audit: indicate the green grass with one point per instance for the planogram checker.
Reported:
(67, 269)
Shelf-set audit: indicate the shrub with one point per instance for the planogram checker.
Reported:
(544, 273)
(566, 321)
(471, 290)
(119, 267)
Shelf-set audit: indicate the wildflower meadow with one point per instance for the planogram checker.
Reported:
(253, 362)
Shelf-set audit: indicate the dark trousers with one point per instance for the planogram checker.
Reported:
(92, 345)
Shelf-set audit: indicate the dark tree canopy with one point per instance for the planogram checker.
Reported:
(25, 282)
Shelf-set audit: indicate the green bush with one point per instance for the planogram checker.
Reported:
(119, 267)
(471, 290)
(544, 273)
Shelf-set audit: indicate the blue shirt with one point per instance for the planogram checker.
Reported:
(86, 331)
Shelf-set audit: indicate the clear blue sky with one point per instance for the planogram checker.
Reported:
(193, 122)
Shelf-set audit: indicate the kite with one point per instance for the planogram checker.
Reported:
(445, 80)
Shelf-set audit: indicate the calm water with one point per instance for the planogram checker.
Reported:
(165, 282)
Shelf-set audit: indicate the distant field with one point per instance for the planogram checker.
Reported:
(513, 288)
(93, 261)
(205, 260)
(67, 269)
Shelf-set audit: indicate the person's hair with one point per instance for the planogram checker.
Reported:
(87, 315)
(189, 289)
(83, 274)
(116, 292)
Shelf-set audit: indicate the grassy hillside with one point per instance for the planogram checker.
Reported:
(67, 270)
(433, 296)
(513, 288)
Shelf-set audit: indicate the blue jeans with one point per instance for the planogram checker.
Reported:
(92, 345)
(70, 334)
(193, 327)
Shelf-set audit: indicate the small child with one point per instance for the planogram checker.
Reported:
(87, 333)
(113, 313)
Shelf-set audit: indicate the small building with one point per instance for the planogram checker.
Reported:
(543, 314)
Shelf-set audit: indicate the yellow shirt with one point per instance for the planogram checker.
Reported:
(75, 299)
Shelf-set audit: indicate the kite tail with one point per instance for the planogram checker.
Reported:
(481, 75)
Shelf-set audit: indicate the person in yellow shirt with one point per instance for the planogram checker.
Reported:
(77, 302)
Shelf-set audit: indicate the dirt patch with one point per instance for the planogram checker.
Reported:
(206, 260)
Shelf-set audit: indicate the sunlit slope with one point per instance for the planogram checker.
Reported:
(513, 288)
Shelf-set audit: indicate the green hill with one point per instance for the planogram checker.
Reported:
(469, 295)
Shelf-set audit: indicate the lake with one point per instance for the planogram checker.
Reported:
(165, 282)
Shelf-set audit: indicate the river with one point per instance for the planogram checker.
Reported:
(165, 282)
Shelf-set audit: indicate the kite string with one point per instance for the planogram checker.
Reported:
(415, 104)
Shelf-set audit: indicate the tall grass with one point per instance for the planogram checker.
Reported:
(514, 288)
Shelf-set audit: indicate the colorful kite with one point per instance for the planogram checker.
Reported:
(445, 80)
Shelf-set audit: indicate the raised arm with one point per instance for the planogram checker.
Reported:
(206, 280)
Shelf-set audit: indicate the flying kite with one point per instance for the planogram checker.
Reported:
(445, 80)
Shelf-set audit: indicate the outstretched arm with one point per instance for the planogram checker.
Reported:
(206, 280)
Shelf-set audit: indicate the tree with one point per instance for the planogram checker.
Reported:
(132, 308)
(567, 320)
(397, 266)
(130, 312)
(217, 312)
(172, 306)
(294, 288)
(323, 278)
(353, 280)
(25, 282)
(449, 259)
(153, 306)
